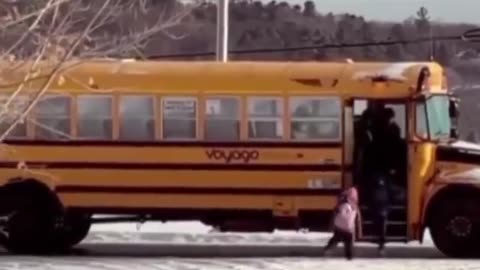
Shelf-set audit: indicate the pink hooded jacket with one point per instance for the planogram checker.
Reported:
(346, 211)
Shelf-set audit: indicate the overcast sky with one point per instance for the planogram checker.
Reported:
(398, 10)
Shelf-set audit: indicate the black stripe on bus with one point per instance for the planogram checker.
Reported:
(118, 143)
(196, 190)
(174, 166)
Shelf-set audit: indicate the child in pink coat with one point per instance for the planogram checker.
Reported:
(344, 222)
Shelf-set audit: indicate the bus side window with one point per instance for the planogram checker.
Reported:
(16, 108)
(53, 118)
(136, 118)
(315, 118)
(223, 119)
(179, 118)
(94, 117)
(421, 120)
(265, 118)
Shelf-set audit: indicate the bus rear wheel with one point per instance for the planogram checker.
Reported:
(30, 231)
(455, 228)
(74, 228)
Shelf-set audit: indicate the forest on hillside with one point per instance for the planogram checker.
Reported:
(154, 28)
(253, 25)
(177, 27)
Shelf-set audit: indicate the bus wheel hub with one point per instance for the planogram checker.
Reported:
(460, 226)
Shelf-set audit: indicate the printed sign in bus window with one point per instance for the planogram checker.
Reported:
(179, 118)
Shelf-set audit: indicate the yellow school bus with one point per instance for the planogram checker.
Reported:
(241, 146)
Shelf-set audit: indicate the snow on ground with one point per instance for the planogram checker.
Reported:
(195, 233)
(85, 263)
(157, 227)
(193, 246)
(162, 248)
(193, 228)
(199, 234)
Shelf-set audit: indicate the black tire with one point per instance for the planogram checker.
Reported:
(454, 227)
(30, 231)
(33, 218)
(74, 229)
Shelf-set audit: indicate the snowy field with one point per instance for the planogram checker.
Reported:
(192, 246)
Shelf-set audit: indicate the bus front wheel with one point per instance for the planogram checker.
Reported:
(454, 227)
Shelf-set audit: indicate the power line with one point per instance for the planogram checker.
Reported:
(472, 35)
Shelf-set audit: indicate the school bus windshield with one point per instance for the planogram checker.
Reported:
(434, 112)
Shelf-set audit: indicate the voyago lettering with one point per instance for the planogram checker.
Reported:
(229, 156)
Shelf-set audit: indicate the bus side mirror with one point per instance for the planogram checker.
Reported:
(453, 108)
(454, 112)
(454, 133)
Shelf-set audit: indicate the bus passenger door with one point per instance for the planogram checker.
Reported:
(348, 144)
(397, 218)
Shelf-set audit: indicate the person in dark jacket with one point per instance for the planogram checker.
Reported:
(397, 161)
(383, 172)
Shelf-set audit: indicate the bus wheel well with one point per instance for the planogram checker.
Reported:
(446, 194)
(19, 192)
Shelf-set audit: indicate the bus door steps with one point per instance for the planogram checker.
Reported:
(389, 222)
(393, 207)
(396, 224)
(374, 238)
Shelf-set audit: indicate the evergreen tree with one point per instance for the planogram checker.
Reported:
(309, 9)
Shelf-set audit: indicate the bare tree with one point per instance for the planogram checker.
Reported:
(43, 38)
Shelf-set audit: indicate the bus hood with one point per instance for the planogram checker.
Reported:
(460, 162)
(465, 145)
(459, 151)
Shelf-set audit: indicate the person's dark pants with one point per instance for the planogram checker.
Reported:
(380, 223)
(346, 238)
(380, 206)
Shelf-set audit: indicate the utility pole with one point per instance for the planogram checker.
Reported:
(432, 45)
(222, 31)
